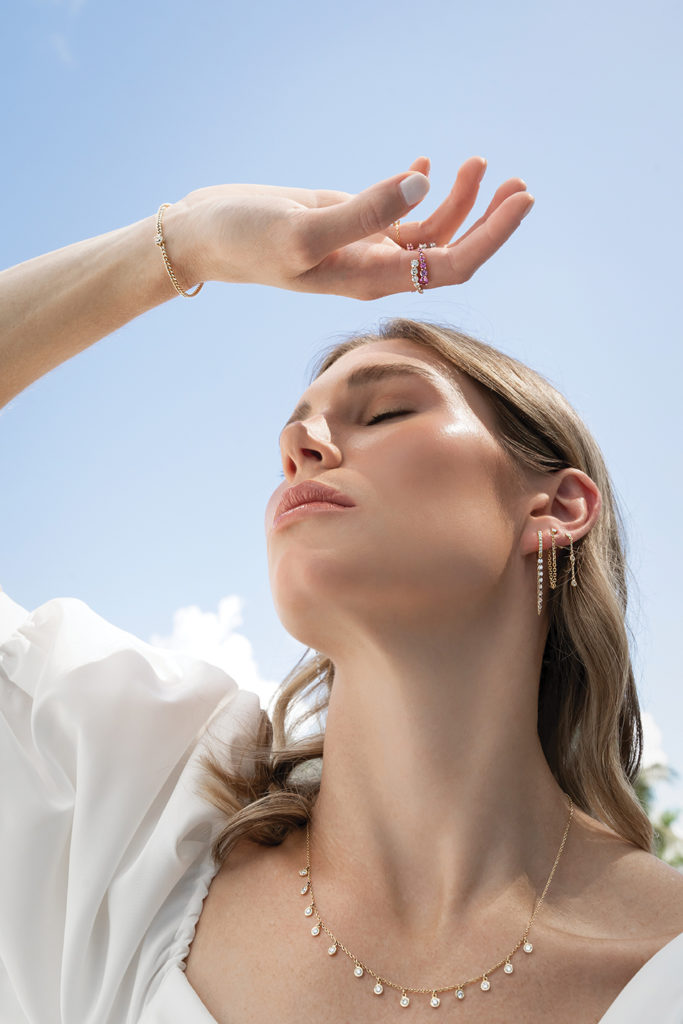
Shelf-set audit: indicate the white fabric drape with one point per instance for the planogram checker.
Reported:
(105, 852)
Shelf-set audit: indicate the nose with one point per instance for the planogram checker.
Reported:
(305, 443)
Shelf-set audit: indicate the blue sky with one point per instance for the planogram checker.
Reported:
(136, 474)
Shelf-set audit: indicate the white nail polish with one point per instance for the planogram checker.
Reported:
(414, 188)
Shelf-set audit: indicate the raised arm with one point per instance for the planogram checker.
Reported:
(56, 305)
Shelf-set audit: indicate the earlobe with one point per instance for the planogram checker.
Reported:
(552, 560)
(552, 564)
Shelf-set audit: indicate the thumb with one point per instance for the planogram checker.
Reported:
(366, 213)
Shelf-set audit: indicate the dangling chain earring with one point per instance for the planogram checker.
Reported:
(539, 573)
(552, 565)
(552, 560)
(572, 558)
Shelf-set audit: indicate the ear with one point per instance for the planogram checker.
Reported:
(568, 500)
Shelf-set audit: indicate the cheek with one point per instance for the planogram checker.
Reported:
(435, 471)
(434, 531)
(444, 497)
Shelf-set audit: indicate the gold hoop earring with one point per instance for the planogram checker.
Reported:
(572, 559)
(539, 574)
(552, 560)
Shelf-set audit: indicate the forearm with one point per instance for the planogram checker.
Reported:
(56, 305)
(312, 240)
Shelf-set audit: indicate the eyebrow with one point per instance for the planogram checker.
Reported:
(370, 375)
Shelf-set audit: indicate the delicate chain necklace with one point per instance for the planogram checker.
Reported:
(359, 968)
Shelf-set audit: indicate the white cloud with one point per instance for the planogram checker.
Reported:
(214, 637)
(653, 752)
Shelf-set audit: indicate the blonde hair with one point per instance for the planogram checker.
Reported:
(588, 711)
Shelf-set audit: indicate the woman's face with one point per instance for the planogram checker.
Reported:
(436, 502)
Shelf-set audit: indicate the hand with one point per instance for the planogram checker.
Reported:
(335, 242)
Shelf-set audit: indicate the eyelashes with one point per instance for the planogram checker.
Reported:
(385, 415)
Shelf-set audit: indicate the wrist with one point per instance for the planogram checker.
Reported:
(179, 248)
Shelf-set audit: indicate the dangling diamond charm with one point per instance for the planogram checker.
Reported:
(359, 969)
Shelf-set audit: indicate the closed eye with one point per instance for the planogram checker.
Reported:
(385, 415)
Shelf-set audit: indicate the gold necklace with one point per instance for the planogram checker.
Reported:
(359, 968)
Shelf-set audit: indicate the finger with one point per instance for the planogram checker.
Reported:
(459, 261)
(452, 212)
(509, 188)
(390, 272)
(422, 164)
(370, 211)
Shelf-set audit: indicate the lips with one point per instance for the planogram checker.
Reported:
(310, 491)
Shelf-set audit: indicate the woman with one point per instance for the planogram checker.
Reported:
(445, 541)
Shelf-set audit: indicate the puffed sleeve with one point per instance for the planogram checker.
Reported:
(105, 837)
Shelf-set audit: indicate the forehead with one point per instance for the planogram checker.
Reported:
(391, 352)
(400, 350)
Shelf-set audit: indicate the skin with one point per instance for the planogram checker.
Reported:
(330, 241)
(438, 820)
(432, 721)
(310, 240)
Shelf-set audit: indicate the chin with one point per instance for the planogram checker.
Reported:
(305, 595)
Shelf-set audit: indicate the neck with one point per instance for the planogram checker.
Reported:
(436, 799)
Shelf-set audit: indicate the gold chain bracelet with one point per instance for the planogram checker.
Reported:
(159, 240)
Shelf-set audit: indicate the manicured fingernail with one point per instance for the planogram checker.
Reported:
(482, 172)
(529, 207)
(414, 188)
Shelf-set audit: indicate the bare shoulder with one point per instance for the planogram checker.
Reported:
(239, 884)
(652, 890)
(615, 906)
(626, 891)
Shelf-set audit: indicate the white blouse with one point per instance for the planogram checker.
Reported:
(105, 849)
